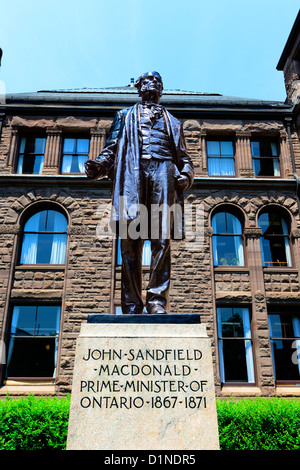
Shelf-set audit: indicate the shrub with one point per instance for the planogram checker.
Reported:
(259, 424)
(33, 423)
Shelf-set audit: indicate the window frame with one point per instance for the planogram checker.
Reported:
(220, 339)
(29, 135)
(57, 337)
(232, 211)
(75, 137)
(220, 139)
(287, 219)
(30, 213)
(271, 140)
(291, 314)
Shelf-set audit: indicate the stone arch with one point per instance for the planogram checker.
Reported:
(231, 200)
(42, 195)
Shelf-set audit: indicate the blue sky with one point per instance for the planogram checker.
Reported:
(219, 46)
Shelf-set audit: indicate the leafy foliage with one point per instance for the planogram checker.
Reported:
(34, 423)
(259, 424)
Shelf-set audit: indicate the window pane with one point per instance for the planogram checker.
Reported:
(265, 167)
(32, 357)
(28, 162)
(23, 320)
(274, 251)
(272, 223)
(22, 145)
(227, 166)
(83, 146)
(233, 224)
(227, 149)
(39, 145)
(275, 326)
(232, 322)
(56, 222)
(29, 145)
(44, 248)
(214, 166)
(213, 148)
(255, 149)
(51, 248)
(47, 321)
(38, 164)
(228, 250)
(235, 366)
(236, 358)
(36, 223)
(219, 223)
(281, 326)
(69, 146)
(285, 367)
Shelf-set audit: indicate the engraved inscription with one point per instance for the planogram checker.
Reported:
(139, 378)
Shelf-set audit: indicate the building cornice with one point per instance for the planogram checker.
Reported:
(199, 182)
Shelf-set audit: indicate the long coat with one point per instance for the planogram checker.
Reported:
(120, 160)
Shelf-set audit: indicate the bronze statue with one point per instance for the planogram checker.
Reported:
(145, 156)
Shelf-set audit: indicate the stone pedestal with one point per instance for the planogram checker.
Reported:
(143, 382)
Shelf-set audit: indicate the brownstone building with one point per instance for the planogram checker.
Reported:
(56, 267)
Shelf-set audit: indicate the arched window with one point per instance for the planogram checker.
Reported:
(227, 240)
(45, 238)
(275, 243)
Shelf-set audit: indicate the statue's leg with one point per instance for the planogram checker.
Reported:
(131, 290)
(162, 199)
(159, 278)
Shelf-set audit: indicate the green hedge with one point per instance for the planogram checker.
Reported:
(259, 424)
(248, 424)
(33, 423)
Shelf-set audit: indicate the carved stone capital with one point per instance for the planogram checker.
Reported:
(208, 232)
(253, 232)
(295, 233)
(55, 130)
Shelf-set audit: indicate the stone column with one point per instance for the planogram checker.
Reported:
(243, 155)
(204, 168)
(52, 151)
(260, 326)
(13, 149)
(97, 142)
(284, 155)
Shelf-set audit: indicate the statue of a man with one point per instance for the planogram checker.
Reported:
(145, 156)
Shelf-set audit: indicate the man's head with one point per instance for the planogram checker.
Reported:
(150, 86)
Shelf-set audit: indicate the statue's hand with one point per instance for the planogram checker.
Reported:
(183, 182)
(93, 169)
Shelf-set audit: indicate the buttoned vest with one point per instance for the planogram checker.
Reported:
(155, 137)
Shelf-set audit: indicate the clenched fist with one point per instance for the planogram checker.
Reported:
(93, 169)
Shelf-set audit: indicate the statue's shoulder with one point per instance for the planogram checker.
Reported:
(173, 120)
(123, 112)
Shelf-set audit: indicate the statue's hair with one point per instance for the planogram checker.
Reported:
(140, 79)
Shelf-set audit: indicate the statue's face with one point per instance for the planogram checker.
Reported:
(151, 85)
